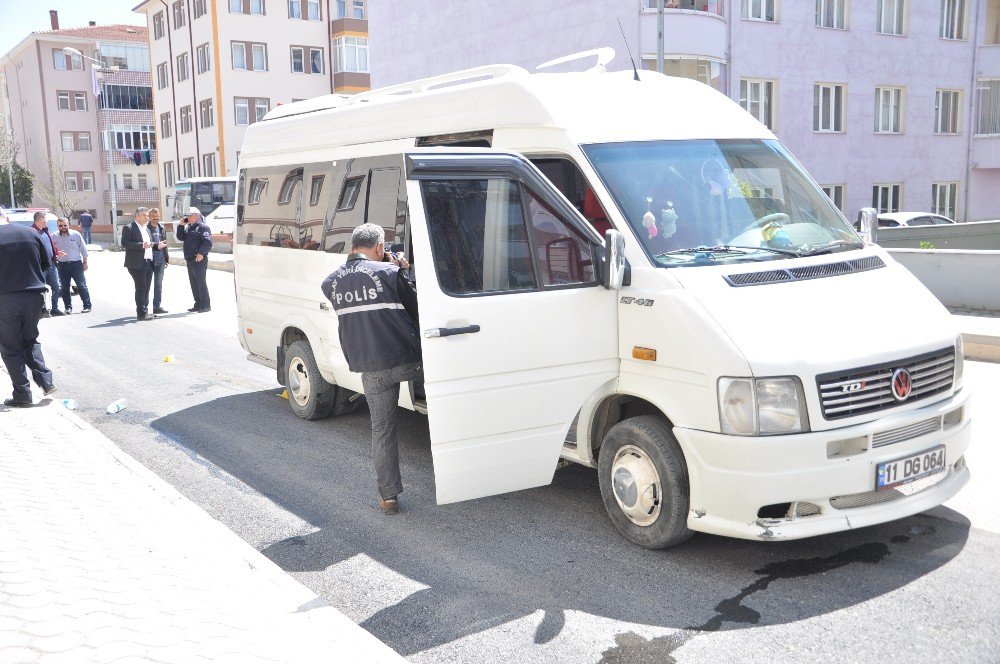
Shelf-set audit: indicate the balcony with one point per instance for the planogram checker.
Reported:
(134, 196)
(349, 25)
(989, 61)
(122, 160)
(691, 28)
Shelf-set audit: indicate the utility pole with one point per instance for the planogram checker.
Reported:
(659, 36)
(10, 156)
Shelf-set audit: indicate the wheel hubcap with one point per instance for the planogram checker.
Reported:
(636, 485)
(298, 381)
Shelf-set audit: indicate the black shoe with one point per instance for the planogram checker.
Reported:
(46, 314)
(69, 311)
(160, 310)
(144, 317)
(17, 403)
(57, 312)
(48, 389)
(202, 310)
(194, 309)
(85, 310)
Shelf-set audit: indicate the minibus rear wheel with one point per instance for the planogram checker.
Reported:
(644, 482)
(309, 395)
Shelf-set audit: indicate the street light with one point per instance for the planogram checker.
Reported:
(110, 140)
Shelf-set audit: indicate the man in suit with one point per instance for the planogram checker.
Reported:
(139, 260)
(197, 239)
(23, 264)
(52, 276)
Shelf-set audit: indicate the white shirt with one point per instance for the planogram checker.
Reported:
(148, 253)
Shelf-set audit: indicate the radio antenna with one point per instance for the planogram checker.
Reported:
(628, 50)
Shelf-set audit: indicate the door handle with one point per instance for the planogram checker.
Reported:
(324, 306)
(449, 331)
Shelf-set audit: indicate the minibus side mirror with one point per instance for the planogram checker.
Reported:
(613, 274)
(868, 224)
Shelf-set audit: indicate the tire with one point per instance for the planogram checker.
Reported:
(644, 453)
(309, 395)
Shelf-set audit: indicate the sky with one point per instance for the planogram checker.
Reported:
(21, 17)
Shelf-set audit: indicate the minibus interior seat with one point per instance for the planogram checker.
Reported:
(594, 213)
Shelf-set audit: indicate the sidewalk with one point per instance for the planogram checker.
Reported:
(216, 261)
(101, 560)
(980, 334)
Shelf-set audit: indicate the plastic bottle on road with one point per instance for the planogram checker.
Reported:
(117, 406)
(69, 404)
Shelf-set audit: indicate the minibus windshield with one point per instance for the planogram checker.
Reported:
(705, 201)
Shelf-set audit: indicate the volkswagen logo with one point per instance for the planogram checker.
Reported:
(901, 384)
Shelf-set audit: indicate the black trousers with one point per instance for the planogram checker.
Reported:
(19, 314)
(143, 278)
(198, 276)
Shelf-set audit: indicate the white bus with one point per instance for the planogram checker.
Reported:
(631, 275)
(214, 196)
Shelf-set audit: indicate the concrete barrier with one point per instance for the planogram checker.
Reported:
(959, 278)
(973, 235)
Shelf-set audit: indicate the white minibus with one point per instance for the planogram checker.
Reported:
(634, 275)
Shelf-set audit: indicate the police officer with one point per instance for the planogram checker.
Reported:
(24, 263)
(376, 306)
(197, 239)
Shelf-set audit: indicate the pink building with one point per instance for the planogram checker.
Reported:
(894, 103)
(58, 119)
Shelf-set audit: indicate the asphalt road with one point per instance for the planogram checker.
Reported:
(538, 575)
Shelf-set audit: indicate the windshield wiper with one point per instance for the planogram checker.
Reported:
(831, 247)
(728, 249)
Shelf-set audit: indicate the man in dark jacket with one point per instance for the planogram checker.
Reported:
(86, 222)
(161, 258)
(197, 239)
(52, 275)
(376, 306)
(23, 265)
(139, 260)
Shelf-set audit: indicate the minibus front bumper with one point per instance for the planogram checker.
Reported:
(740, 486)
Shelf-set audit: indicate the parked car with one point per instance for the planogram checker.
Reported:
(907, 219)
(26, 216)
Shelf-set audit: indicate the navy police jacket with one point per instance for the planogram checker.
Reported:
(197, 239)
(376, 310)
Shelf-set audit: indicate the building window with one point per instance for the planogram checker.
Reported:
(71, 182)
(947, 104)
(62, 101)
(836, 194)
(68, 141)
(757, 98)
(760, 10)
(828, 107)
(205, 113)
(943, 198)
(87, 181)
(312, 10)
(351, 9)
(79, 181)
(180, 16)
(119, 56)
(131, 137)
(127, 97)
(204, 60)
(199, 8)
(316, 60)
(885, 197)
(246, 7)
(158, 25)
(79, 101)
(350, 54)
(182, 67)
(315, 189)
(208, 165)
(988, 107)
(294, 8)
(261, 107)
(83, 141)
(954, 16)
(242, 111)
(162, 76)
(311, 13)
(63, 61)
(888, 110)
(75, 141)
(831, 14)
(127, 181)
(185, 123)
(142, 181)
(168, 174)
(890, 17)
(298, 60)
(187, 167)
(249, 56)
(166, 128)
(244, 105)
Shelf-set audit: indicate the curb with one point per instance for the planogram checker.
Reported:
(981, 347)
(224, 266)
(308, 600)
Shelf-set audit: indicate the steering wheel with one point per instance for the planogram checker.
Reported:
(778, 218)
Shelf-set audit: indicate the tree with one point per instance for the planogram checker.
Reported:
(23, 186)
(56, 193)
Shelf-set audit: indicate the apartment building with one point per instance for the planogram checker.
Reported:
(891, 103)
(220, 65)
(76, 120)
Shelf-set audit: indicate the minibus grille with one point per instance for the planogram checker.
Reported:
(869, 389)
(803, 273)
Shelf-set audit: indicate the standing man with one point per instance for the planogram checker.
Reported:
(197, 239)
(52, 276)
(379, 337)
(139, 260)
(72, 263)
(161, 258)
(86, 221)
(23, 264)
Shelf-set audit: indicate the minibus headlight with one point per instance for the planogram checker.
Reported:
(959, 362)
(762, 406)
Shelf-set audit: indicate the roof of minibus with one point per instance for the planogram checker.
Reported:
(592, 107)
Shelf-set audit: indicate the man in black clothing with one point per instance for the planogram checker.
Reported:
(197, 239)
(376, 306)
(23, 265)
(139, 260)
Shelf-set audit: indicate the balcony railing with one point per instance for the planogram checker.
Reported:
(122, 160)
(716, 7)
(133, 195)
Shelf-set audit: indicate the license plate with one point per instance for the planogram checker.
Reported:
(891, 474)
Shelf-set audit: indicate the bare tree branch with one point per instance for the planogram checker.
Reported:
(57, 194)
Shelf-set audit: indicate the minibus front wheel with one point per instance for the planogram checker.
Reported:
(309, 395)
(644, 482)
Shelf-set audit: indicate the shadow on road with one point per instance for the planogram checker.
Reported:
(493, 560)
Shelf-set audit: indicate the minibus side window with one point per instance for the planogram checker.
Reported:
(563, 256)
(479, 237)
